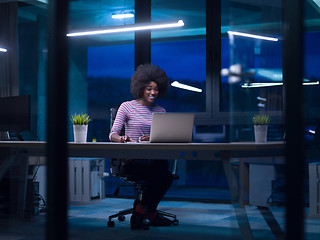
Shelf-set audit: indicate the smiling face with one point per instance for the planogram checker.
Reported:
(150, 94)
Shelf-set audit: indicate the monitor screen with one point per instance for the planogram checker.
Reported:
(15, 113)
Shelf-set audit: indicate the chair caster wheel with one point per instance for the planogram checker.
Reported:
(175, 222)
(110, 223)
(121, 218)
(146, 226)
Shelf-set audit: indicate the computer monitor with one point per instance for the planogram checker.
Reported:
(15, 114)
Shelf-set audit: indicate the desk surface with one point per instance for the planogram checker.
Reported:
(205, 151)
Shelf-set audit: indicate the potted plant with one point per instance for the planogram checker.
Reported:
(80, 127)
(260, 122)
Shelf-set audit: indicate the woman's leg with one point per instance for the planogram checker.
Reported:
(158, 183)
(157, 179)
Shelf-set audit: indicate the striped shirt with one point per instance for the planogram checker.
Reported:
(136, 119)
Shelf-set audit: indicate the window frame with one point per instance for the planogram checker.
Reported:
(214, 77)
(213, 114)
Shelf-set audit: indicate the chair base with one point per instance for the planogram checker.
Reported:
(121, 216)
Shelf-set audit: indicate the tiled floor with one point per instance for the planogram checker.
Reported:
(196, 221)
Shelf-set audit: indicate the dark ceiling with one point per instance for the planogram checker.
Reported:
(254, 16)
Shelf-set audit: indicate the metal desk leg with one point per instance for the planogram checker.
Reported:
(244, 182)
(22, 186)
(6, 161)
(241, 214)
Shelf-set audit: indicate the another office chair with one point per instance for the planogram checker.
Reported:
(138, 183)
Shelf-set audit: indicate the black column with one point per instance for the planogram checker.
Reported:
(292, 77)
(142, 39)
(57, 82)
(213, 55)
(9, 62)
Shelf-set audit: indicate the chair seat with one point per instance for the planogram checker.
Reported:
(132, 178)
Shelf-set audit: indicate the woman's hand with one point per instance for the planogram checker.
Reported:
(125, 138)
(144, 138)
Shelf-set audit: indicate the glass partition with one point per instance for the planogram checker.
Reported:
(249, 82)
(311, 113)
(182, 54)
(251, 61)
(101, 66)
(32, 42)
(22, 197)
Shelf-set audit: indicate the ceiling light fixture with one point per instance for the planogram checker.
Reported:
(255, 85)
(122, 15)
(186, 87)
(312, 131)
(3, 50)
(253, 36)
(311, 83)
(129, 28)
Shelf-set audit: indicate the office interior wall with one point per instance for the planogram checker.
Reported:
(78, 83)
(33, 70)
(29, 71)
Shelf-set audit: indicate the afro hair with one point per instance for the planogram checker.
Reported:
(145, 74)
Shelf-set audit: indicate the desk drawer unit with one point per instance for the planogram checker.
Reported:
(86, 179)
(260, 183)
(314, 189)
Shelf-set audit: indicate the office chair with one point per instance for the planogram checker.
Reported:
(136, 181)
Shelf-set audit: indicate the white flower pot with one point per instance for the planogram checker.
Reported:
(80, 133)
(260, 133)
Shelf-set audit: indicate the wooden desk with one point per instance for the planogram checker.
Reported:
(187, 151)
(183, 151)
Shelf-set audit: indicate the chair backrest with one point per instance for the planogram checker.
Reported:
(115, 163)
(113, 114)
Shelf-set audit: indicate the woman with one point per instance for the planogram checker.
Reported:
(147, 84)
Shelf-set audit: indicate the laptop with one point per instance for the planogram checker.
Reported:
(171, 127)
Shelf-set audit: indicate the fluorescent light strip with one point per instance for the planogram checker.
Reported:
(129, 28)
(312, 131)
(3, 50)
(186, 87)
(261, 99)
(253, 36)
(311, 83)
(122, 15)
(254, 85)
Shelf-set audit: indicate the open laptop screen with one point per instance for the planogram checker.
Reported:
(171, 127)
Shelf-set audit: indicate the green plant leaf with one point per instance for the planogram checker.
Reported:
(261, 119)
(80, 119)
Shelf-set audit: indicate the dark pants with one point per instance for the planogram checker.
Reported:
(157, 180)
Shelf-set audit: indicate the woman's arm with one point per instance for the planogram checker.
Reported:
(115, 137)
(118, 125)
